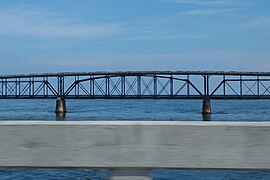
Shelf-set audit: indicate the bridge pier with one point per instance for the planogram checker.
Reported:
(206, 109)
(60, 106)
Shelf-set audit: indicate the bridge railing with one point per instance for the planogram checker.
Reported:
(132, 149)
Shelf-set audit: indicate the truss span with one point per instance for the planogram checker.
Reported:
(138, 85)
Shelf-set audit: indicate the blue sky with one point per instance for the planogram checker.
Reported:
(112, 35)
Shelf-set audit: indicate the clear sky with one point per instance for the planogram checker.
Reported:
(111, 35)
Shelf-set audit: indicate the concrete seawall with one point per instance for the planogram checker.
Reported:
(140, 145)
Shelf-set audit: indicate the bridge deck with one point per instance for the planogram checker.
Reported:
(132, 73)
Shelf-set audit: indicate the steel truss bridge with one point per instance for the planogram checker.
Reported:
(138, 85)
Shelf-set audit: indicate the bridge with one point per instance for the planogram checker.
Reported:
(203, 85)
(133, 149)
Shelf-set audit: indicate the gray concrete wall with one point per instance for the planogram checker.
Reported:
(137, 145)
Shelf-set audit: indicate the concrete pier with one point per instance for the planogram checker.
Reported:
(206, 109)
(60, 106)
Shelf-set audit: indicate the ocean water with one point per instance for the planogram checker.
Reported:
(154, 110)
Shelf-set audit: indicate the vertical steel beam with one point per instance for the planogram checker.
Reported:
(61, 86)
(47, 89)
(107, 85)
(258, 87)
(224, 86)
(139, 85)
(171, 85)
(90, 86)
(19, 89)
(155, 85)
(93, 86)
(75, 79)
(33, 86)
(188, 86)
(77, 88)
(206, 86)
(241, 86)
(206, 109)
(123, 86)
(16, 86)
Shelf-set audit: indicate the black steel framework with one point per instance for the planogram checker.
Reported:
(138, 85)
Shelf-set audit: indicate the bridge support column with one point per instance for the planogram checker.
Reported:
(60, 106)
(206, 109)
(130, 174)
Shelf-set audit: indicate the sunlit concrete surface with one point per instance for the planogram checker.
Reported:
(145, 145)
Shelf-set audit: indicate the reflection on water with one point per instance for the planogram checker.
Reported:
(60, 116)
(63, 116)
(206, 117)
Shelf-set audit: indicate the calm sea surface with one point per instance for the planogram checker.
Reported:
(165, 110)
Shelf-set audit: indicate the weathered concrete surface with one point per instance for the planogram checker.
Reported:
(206, 109)
(145, 145)
(60, 106)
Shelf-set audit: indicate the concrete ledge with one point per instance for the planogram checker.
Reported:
(138, 145)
